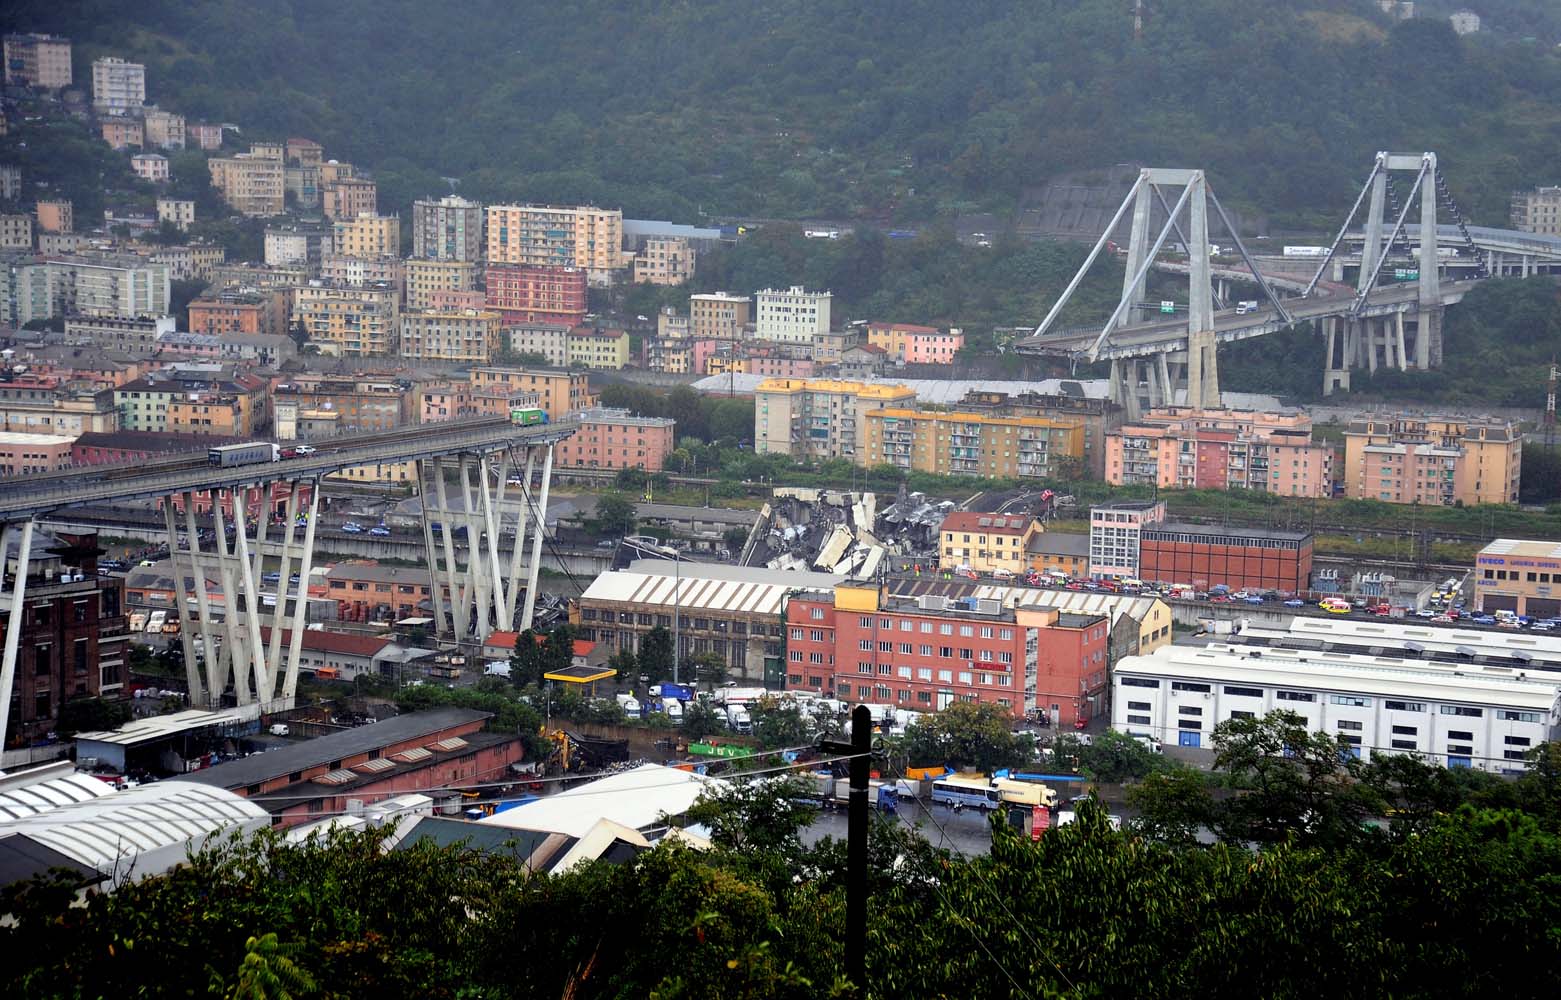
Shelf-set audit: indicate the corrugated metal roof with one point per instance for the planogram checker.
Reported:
(690, 593)
(42, 796)
(109, 832)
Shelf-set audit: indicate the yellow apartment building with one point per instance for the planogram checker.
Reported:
(254, 183)
(1433, 460)
(349, 322)
(819, 418)
(972, 444)
(466, 335)
(367, 235)
(562, 236)
(604, 350)
(559, 393)
(426, 277)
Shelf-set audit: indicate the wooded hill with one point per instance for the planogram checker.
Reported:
(896, 112)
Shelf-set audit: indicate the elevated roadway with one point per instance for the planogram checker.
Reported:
(1141, 340)
(22, 499)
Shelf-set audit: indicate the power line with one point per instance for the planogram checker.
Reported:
(544, 780)
(997, 896)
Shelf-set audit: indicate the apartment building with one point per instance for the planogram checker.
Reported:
(299, 246)
(1190, 448)
(820, 418)
(189, 262)
(664, 261)
(447, 229)
(16, 232)
(611, 438)
(304, 152)
(349, 322)
(357, 272)
(150, 167)
(719, 316)
(131, 335)
(583, 236)
(367, 235)
(560, 393)
(793, 316)
(55, 216)
(426, 277)
(73, 637)
(302, 184)
(27, 289)
(1213, 555)
(1537, 211)
(10, 182)
(525, 293)
(549, 341)
(243, 312)
(1433, 460)
(33, 60)
(355, 403)
(203, 135)
(178, 211)
(118, 87)
(46, 405)
(158, 402)
(972, 444)
(110, 285)
(349, 198)
(604, 350)
(465, 335)
(1459, 715)
(163, 129)
(986, 543)
(893, 337)
(863, 644)
(1116, 536)
(673, 356)
(444, 400)
(253, 183)
(122, 133)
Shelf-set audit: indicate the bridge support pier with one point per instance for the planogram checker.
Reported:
(237, 649)
(1203, 377)
(484, 595)
(13, 628)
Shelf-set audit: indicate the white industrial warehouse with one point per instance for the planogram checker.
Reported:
(1458, 714)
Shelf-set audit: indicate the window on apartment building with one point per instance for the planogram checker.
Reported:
(1474, 713)
(1295, 696)
(1405, 730)
(1404, 706)
(1506, 715)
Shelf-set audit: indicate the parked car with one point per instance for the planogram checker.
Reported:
(1295, 602)
(352, 528)
(380, 531)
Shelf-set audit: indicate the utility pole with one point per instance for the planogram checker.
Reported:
(859, 748)
(1550, 406)
(1138, 20)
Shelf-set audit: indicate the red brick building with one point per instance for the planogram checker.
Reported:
(928, 653)
(1240, 558)
(74, 636)
(524, 293)
(436, 751)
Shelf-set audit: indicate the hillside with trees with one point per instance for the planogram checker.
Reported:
(912, 111)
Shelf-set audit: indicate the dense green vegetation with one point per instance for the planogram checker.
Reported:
(1277, 877)
(914, 111)
(1497, 348)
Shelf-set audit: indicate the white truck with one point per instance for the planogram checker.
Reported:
(738, 719)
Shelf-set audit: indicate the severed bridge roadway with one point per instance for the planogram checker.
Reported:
(29, 497)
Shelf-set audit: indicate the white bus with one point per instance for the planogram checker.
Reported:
(977, 793)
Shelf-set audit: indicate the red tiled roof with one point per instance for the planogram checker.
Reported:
(333, 642)
(992, 524)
